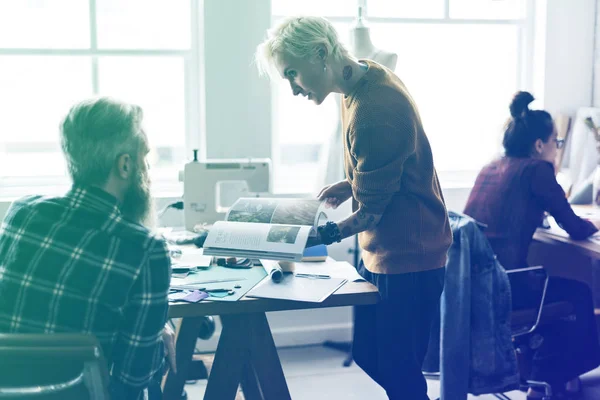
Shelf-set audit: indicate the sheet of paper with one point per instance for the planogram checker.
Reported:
(335, 269)
(192, 257)
(297, 289)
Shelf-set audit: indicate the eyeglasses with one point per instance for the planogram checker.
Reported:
(560, 143)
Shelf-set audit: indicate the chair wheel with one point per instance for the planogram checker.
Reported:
(207, 328)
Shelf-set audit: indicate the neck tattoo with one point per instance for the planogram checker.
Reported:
(347, 72)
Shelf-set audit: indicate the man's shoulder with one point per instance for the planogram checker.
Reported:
(36, 200)
(147, 247)
(49, 209)
(140, 236)
(23, 207)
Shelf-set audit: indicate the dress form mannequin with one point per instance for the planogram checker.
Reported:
(363, 48)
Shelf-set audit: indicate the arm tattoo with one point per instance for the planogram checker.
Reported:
(346, 232)
(355, 221)
(370, 220)
(347, 72)
(361, 214)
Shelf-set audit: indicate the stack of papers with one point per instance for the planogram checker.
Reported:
(311, 282)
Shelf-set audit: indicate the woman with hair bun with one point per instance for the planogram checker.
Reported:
(510, 196)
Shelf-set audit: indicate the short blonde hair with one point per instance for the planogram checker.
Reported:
(300, 37)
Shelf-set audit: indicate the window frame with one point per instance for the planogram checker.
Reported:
(524, 67)
(13, 187)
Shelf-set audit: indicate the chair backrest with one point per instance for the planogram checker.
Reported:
(52, 366)
(528, 289)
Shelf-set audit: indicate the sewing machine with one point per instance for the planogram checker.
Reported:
(211, 187)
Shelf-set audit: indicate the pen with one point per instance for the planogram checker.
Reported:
(315, 276)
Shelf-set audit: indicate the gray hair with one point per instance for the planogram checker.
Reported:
(300, 37)
(95, 133)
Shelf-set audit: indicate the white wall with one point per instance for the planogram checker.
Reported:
(569, 54)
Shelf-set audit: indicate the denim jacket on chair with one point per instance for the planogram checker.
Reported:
(476, 351)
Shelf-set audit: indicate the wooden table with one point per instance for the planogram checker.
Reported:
(564, 257)
(246, 352)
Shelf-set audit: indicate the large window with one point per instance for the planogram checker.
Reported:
(54, 53)
(462, 60)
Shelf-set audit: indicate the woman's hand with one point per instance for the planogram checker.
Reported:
(336, 194)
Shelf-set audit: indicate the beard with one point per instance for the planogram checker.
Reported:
(138, 204)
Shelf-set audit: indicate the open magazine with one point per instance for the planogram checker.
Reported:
(267, 228)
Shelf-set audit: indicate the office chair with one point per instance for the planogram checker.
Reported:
(529, 287)
(52, 366)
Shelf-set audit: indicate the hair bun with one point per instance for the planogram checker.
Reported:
(520, 103)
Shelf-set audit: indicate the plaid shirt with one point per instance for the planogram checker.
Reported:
(510, 196)
(74, 264)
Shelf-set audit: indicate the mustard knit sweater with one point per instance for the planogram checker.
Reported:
(389, 164)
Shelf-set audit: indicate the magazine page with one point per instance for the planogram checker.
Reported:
(256, 240)
(289, 211)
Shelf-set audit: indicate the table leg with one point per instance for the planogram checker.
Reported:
(186, 336)
(230, 359)
(265, 361)
(247, 354)
(249, 383)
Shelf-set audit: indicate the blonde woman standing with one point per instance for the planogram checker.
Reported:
(398, 207)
